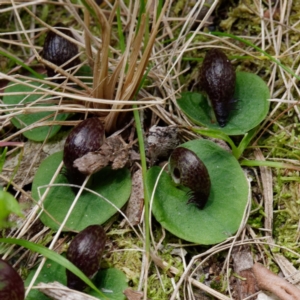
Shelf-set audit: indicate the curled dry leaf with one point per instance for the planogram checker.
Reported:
(270, 282)
(114, 152)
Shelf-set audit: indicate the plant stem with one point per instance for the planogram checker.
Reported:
(120, 30)
(23, 65)
(272, 164)
(140, 136)
(217, 134)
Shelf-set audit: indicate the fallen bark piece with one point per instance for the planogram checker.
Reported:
(133, 295)
(135, 204)
(114, 152)
(268, 281)
(161, 141)
(243, 262)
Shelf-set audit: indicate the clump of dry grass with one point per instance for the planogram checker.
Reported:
(173, 37)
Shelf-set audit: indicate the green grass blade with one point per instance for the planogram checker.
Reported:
(2, 158)
(53, 256)
(140, 135)
(266, 163)
(142, 11)
(159, 8)
(245, 141)
(219, 135)
(120, 30)
(19, 62)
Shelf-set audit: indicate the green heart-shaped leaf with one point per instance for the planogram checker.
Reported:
(252, 106)
(112, 283)
(27, 95)
(90, 209)
(224, 209)
(8, 205)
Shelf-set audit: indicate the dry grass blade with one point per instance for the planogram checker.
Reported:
(111, 119)
(57, 291)
(136, 69)
(133, 60)
(101, 63)
(137, 44)
(266, 176)
(113, 80)
(87, 40)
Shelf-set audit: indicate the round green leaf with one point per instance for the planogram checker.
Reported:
(8, 205)
(252, 106)
(21, 121)
(50, 272)
(115, 185)
(111, 282)
(222, 214)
